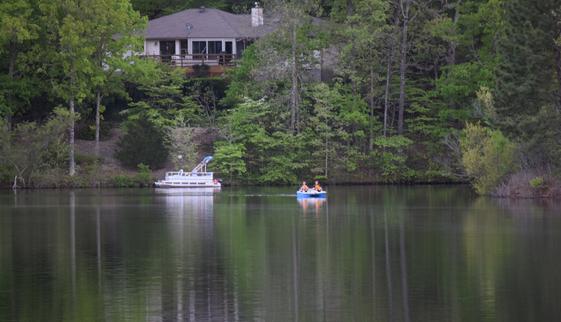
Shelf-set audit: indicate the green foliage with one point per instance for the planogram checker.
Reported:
(487, 156)
(144, 176)
(229, 159)
(30, 148)
(490, 61)
(161, 99)
(390, 157)
(143, 142)
(184, 150)
(337, 129)
(269, 154)
(537, 183)
(123, 181)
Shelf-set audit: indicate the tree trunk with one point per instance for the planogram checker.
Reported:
(558, 70)
(97, 121)
(72, 164)
(403, 63)
(295, 99)
(371, 103)
(11, 74)
(451, 59)
(387, 90)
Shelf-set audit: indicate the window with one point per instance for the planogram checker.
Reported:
(184, 46)
(214, 47)
(199, 47)
(241, 45)
(167, 49)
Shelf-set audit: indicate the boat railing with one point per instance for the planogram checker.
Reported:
(188, 174)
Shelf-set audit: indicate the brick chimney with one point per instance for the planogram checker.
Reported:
(256, 15)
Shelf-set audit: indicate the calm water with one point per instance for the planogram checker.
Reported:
(366, 254)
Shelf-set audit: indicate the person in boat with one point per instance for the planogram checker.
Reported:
(317, 187)
(304, 187)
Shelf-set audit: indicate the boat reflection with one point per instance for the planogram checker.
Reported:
(207, 191)
(311, 204)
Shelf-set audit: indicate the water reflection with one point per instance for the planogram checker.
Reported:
(311, 204)
(366, 254)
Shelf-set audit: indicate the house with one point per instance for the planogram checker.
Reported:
(203, 36)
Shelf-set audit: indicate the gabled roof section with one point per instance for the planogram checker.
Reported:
(205, 23)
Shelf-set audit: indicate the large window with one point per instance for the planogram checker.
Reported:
(199, 47)
(214, 47)
(167, 49)
(184, 45)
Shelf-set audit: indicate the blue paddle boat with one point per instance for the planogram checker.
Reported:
(311, 194)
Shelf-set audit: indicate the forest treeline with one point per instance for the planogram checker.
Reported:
(343, 91)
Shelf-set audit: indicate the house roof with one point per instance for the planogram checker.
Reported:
(205, 23)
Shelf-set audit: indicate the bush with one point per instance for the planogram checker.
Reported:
(201, 70)
(144, 143)
(87, 159)
(144, 176)
(30, 149)
(537, 182)
(487, 156)
(123, 181)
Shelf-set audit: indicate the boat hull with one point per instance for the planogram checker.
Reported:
(311, 194)
(164, 184)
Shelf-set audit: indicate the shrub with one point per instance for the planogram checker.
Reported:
(87, 159)
(487, 156)
(537, 182)
(144, 176)
(201, 70)
(143, 142)
(30, 149)
(123, 181)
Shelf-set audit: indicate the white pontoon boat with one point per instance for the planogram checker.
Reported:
(198, 177)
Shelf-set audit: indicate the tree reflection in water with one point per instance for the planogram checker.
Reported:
(366, 254)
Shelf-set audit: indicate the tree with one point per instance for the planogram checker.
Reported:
(143, 142)
(288, 54)
(32, 148)
(405, 16)
(364, 34)
(229, 159)
(159, 97)
(115, 36)
(18, 30)
(487, 155)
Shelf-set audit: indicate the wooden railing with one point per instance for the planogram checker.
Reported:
(196, 59)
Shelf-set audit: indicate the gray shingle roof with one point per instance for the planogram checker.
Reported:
(207, 23)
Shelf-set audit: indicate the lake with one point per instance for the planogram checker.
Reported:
(381, 253)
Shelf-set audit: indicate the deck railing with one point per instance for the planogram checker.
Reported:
(196, 59)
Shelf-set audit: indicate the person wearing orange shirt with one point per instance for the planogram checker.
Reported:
(317, 187)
